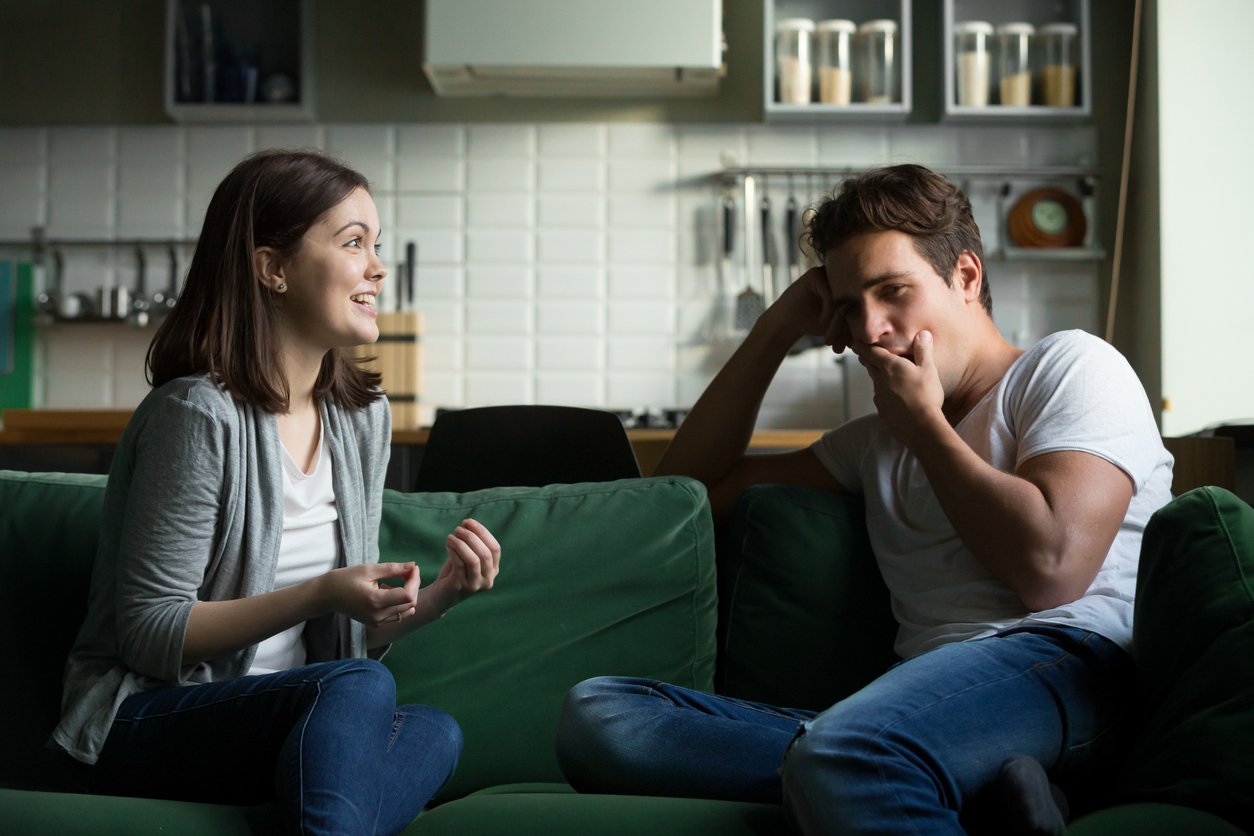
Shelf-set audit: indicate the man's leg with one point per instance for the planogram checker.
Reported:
(643, 737)
(908, 751)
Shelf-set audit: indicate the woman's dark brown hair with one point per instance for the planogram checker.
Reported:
(226, 321)
(909, 199)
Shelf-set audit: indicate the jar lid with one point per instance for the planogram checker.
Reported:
(795, 24)
(1060, 29)
(1016, 29)
(837, 25)
(878, 26)
(973, 27)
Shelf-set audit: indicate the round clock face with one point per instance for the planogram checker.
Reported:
(1049, 216)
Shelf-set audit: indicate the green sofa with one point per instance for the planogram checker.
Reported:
(623, 578)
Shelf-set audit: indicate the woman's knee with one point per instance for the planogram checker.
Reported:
(364, 679)
(583, 731)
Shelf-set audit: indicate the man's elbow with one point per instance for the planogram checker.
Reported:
(1053, 583)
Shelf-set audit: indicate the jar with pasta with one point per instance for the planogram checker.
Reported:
(972, 46)
(793, 67)
(1014, 41)
(879, 65)
(1058, 69)
(835, 62)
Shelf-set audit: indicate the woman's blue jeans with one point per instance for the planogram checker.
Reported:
(902, 755)
(327, 742)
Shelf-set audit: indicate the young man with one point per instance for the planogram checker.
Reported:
(1006, 492)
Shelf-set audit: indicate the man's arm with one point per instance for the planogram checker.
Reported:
(1043, 531)
(710, 445)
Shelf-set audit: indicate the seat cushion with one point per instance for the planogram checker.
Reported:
(68, 814)
(805, 615)
(48, 524)
(1194, 642)
(543, 813)
(1152, 820)
(596, 578)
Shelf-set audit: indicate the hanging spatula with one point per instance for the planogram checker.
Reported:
(749, 304)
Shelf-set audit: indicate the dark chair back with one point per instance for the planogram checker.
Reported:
(527, 446)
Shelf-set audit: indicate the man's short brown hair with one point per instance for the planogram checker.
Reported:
(909, 199)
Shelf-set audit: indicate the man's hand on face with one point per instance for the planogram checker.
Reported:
(805, 308)
(908, 394)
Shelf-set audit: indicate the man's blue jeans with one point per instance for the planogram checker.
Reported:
(327, 742)
(902, 755)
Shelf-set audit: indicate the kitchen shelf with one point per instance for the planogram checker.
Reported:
(1038, 13)
(274, 38)
(859, 11)
(1050, 254)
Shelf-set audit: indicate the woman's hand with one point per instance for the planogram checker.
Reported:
(355, 591)
(474, 558)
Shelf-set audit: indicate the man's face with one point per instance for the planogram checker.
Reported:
(886, 293)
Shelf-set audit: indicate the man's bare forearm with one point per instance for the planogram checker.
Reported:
(717, 431)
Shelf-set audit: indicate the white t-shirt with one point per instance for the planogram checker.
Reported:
(1071, 391)
(310, 547)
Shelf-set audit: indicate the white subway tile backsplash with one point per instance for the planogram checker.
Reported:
(572, 140)
(853, 145)
(434, 282)
(290, 137)
(150, 145)
(642, 210)
(582, 281)
(498, 281)
(150, 199)
(640, 354)
(69, 389)
(641, 318)
(510, 246)
(630, 390)
(1073, 145)
(993, 146)
(489, 140)
(439, 316)
(571, 246)
(442, 389)
(510, 209)
(22, 204)
(23, 145)
(430, 174)
(640, 246)
(498, 389)
(641, 282)
(568, 353)
(79, 146)
(930, 145)
(211, 153)
(80, 200)
(568, 318)
(370, 149)
(441, 353)
(435, 246)
(642, 139)
(501, 174)
(575, 174)
(721, 144)
(567, 210)
(569, 389)
(438, 141)
(496, 317)
(643, 174)
(781, 146)
(436, 211)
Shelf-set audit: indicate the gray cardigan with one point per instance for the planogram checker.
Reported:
(193, 512)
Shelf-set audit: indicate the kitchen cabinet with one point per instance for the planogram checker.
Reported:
(1044, 80)
(239, 61)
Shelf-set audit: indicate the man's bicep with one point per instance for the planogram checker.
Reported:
(1087, 493)
(801, 468)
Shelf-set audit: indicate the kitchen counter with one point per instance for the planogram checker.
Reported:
(55, 427)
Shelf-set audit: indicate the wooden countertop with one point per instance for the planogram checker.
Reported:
(82, 426)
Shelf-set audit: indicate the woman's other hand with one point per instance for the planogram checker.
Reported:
(355, 591)
(474, 558)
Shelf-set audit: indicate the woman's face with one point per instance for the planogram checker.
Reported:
(333, 281)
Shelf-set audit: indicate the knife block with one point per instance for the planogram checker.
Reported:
(397, 356)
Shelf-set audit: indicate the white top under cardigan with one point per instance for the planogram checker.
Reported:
(193, 512)
(310, 547)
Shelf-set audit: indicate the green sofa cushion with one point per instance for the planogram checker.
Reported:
(61, 814)
(805, 615)
(1194, 639)
(554, 812)
(599, 578)
(1148, 819)
(47, 548)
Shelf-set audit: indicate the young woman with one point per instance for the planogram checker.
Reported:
(236, 615)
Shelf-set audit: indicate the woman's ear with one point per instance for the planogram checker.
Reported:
(268, 269)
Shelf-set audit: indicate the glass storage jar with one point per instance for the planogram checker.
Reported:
(1015, 77)
(835, 63)
(879, 64)
(793, 67)
(972, 42)
(1058, 41)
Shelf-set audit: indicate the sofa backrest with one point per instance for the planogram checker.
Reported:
(48, 525)
(598, 578)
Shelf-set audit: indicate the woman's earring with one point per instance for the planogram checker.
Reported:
(282, 287)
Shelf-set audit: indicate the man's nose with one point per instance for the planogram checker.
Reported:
(872, 325)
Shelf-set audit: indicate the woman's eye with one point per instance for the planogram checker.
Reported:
(355, 241)
(378, 248)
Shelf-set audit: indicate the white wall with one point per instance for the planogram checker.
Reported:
(1206, 159)
(559, 263)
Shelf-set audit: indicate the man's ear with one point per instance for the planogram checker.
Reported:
(268, 269)
(969, 276)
